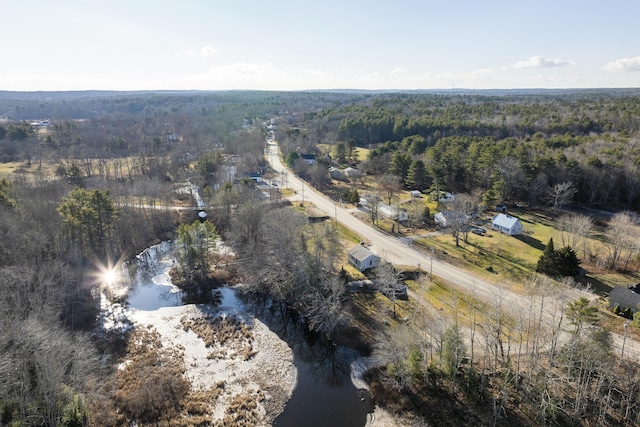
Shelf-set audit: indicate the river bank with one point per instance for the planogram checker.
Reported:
(223, 349)
(268, 373)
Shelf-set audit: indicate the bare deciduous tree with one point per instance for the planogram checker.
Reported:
(389, 185)
(622, 235)
(574, 230)
(460, 212)
(387, 280)
(373, 205)
(538, 187)
(326, 306)
(560, 195)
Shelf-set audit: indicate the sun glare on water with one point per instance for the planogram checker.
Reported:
(109, 276)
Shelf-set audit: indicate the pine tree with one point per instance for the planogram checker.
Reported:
(567, 261)
(563, 262)
(547, 261)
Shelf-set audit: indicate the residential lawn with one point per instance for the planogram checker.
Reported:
(514, 258)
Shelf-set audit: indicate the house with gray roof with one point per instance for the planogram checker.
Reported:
(362, 258)
(625, 297)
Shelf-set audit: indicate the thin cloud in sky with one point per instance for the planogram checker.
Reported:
(625, 64)
(204, 52)
(541, 62)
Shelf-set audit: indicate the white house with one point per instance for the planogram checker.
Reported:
(392, 212)
(362, 258)
(446, 218)
(507, 224)
(309, 158)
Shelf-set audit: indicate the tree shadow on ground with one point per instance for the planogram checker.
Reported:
(531, 241)
(598, 287)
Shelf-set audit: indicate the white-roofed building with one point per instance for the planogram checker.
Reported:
(507, 224)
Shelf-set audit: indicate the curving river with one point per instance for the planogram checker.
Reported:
(324, 393)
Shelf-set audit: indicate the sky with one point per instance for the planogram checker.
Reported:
(328, 44)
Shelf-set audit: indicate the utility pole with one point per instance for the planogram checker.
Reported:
(433, 253)
(624, 339)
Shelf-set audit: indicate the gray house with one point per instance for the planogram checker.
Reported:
(362, 258)
(625, 297)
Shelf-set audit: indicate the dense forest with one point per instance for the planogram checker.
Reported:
(95, 174)
(507, 147)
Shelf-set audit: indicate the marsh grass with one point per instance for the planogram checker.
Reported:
(226, 336)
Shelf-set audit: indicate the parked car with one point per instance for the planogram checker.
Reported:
(479, 231)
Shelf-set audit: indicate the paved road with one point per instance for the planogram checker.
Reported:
(400, 252)
(390, 247)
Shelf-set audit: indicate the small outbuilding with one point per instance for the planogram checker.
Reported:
(362, 258)
(416, 194)
(507, 224)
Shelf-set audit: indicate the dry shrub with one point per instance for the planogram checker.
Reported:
(242, 411)
(151, 386)
(228, 336)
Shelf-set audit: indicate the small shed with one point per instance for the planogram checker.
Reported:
(362, 258)
(416, 194)
(256, 177)
(625, 297)
(507, 224)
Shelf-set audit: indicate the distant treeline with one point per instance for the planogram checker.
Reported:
(510, 147)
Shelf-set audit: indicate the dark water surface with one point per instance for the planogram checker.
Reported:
(324, 395)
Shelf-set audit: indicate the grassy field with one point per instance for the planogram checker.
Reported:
(12, 169)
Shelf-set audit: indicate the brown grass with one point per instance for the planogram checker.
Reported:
(227, 336)
(243, 410)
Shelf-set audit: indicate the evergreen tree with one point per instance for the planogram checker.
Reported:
(547, 261)
(563, 262)
(417, 176)
(399, 165)
(567, 262)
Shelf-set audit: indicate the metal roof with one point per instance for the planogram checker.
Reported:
(361, 253)
(505, 221)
